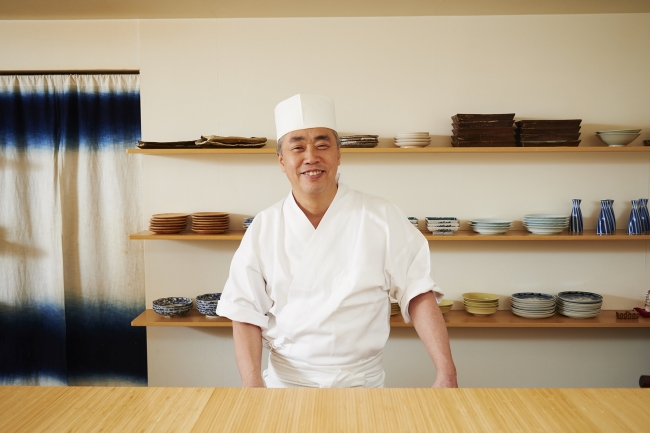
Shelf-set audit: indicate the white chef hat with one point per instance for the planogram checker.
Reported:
(304, 111)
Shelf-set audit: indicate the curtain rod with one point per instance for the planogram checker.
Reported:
(75, 72)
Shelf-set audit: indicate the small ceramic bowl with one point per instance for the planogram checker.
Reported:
(618, 139)
(173, 306)
(207, 304)
(445, 305)
(646, 142)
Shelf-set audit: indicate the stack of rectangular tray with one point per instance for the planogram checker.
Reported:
(483, 130)
(547, 133)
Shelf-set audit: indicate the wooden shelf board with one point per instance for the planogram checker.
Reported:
(271, 150)
(454, 319)
(188, 235)
(523, 235)
(461, 235)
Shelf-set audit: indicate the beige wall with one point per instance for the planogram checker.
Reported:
(224, 76)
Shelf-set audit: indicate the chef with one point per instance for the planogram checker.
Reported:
(312, 277)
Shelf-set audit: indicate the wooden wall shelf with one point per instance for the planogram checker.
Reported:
(461, 235)
(454, 319)
(397, 150)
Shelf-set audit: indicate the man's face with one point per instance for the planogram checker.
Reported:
(310, 158)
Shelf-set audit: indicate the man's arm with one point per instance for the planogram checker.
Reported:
(248, 353)
(431, 328)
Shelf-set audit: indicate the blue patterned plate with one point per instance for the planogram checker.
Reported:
(533, 295)
(580, 297)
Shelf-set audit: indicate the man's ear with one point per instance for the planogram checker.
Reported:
(281, 162)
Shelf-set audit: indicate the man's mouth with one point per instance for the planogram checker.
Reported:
(313, 172)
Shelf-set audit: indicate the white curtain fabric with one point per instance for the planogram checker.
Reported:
(70, 280)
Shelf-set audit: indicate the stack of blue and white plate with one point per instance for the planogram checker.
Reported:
(247, 222)
(489, 226)
(532, 305)
(442, 225)
(546, 224)
(174, 306)
(414, 221)
(579, 305)
(207, 304)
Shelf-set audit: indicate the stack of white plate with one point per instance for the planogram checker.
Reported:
(618, 137)
(533, 305)
(488, 226)
(579, 305)
(414, 221)
(412, 139)
(480, 304)
(442, 225)
(546, 224)
(246, 222)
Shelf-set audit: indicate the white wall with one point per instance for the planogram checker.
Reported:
(224, 76)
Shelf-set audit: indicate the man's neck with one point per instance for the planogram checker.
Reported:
(314, 206)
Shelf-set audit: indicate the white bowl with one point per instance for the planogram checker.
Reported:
(618, 131)
(618, 139)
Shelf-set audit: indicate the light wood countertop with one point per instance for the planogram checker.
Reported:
(125, 409)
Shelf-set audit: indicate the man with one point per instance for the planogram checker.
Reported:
(313, 274)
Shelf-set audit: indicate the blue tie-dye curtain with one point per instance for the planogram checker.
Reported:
(70, 280)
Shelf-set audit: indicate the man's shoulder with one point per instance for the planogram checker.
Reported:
(375, 204)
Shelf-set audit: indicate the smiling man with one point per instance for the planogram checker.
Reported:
(312, 277)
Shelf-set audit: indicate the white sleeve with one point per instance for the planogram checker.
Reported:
(244, 297)
(409, 270)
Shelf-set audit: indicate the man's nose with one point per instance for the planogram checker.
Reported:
(311, 155)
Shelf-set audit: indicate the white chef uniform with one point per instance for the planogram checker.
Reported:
(320, 295)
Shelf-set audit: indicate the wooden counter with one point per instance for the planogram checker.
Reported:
(178, 410)
(453, 319)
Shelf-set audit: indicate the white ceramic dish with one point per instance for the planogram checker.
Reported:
(545, 230)
(618, 140)
(490, 231)
(411, 145)
(619, 131)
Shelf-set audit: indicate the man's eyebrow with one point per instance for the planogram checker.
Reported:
(322, 137)
(296, 138)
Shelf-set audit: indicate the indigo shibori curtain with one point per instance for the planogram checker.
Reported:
(70, 280)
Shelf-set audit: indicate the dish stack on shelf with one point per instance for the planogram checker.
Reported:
(443, 225)
(168, 223)
(394, 307)
(533, 305)
(488, 226)
(210, 223)
(246, 222)
(480, 304)
(220, 142)
(174, 306)
(548, 133)
(618, 137)
(445, 305)
(207, 304)
(412, 139)
(359, 141)
(546, 224)
(579, 305)
(483, 130)
(414, 221)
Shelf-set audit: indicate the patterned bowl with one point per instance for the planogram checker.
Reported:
(207, 304)
(173, 306)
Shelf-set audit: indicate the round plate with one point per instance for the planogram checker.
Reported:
(480, 296)
(170, 215)
(580, 297)
(210, 214)
(165, 232)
